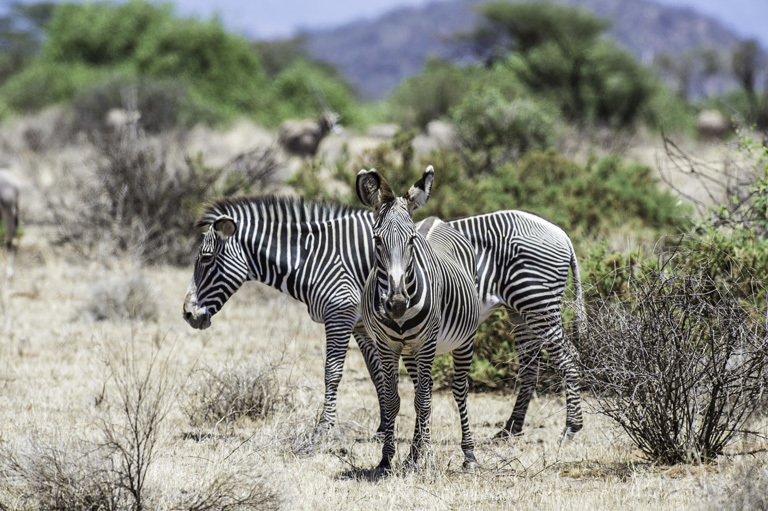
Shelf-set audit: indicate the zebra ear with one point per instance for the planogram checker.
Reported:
(372, 189)
(418, 195)
(224, 227)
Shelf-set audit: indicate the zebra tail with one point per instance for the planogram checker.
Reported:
(579, 310)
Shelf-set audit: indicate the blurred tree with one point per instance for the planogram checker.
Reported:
(21, 34)
(690, 69)
(558, 52)
(748, 63)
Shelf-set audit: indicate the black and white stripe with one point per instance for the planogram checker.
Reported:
(419, 300)
(321, 254)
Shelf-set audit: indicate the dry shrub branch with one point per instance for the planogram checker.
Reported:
(679, 361)
(142, 199)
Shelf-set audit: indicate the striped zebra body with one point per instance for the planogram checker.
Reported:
(523, 262)
(419, 300)
(321, 254)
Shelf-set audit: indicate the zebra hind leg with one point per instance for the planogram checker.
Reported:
(563, 355)
(528, 350)
(337, 334)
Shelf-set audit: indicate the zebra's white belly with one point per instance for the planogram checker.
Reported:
(488, 304)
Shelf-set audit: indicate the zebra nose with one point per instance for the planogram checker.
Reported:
(395, 306)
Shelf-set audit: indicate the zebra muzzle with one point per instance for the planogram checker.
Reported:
(395, 305)
(199, 318)
(396, 301)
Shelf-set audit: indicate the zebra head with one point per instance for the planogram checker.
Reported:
(394, 234)
(220, 270)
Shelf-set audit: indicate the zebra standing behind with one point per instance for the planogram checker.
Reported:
(418, 301)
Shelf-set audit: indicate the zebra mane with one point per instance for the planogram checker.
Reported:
(290, 209)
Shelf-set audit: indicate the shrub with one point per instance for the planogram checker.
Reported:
(303, 89)
(42, 84)
(219, 75)
(144, 201)
(100, 34)
(224, 395)
(220, 69)
(493, 130)
(429, 95)
(122, 298)
(64, 475)
(678, 362)
(163, 105)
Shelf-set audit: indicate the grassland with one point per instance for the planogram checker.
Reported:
(59, 392)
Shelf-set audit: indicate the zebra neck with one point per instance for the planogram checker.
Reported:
(298, 257)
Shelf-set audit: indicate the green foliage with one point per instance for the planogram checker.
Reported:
(494, 362)
(21, 33)
(303, 88)
(40, 85)
(220, 68)
(493, 130)
(557, 52)
(100, 33)
(209, 75)
(428, 95)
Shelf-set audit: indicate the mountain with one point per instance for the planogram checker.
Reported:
(376, 55)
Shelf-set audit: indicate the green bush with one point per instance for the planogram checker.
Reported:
(428, 95)
(493, 130)
(100, 34)
(304, 89)
(184, 70)
(219, 68)
(41, 84)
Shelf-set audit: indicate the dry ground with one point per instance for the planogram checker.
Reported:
(55, 387)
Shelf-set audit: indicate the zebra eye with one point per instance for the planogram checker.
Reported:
(206, 258)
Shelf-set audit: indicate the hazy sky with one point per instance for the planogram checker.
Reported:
(267, 19)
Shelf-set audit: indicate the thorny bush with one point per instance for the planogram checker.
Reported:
(677, 360)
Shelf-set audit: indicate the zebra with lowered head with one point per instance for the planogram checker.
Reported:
(321, 253)
(419, 300)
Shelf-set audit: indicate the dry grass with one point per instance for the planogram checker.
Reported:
(54, 385)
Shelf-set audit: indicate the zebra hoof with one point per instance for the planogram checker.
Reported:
(470, 464)
(569, 432)
(379, 435)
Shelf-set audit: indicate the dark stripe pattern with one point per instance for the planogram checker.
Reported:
(441, 316)
(321, 254)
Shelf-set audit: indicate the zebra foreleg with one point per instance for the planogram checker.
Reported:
(337, 336)
(462, 358)
(391, 407)
(373, 364)
(421, 446)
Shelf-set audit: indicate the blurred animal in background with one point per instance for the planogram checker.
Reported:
(302, 137)
(120, 121)
(9, 214)
(713, 125)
